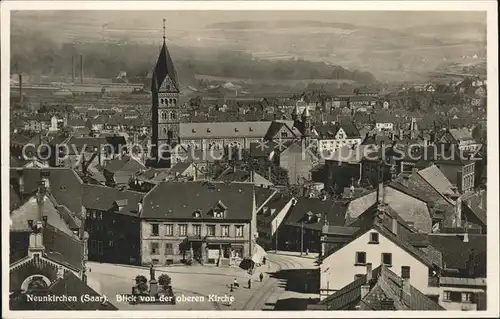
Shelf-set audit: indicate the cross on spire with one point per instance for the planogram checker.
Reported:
(164, 37)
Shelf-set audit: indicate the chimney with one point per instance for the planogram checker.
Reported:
(481, 200)
(81, 69)
(365, 289)
(466, 237)
(368, 272)
(394, 225)
(380, 193)
(21, 90)
(44, 219)
(139, 207)
(40, 196)
(405, 291)
(73, 69)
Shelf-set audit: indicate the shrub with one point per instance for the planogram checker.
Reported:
(140, 278)
(142, 287)
(164, 280)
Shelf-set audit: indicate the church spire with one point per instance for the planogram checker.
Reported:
(164, 32)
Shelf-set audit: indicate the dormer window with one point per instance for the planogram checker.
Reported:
(209, 130)
(120, 204)
(250, 129)
(197, 214)
(194, 130)
(219, 210)
(236, 129)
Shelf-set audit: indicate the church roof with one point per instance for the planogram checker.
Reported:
(164, 68)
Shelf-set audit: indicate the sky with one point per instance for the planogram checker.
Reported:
(190, 20)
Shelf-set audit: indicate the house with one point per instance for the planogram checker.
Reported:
(480, 91)
(366, 92)
(408, 205)
(119, 171)
(433, 187)
(302, 226)
(233, 175)
(473, 214)
(333, 136)
(270, 217)
(48, 248)
(461, 138)
(378, 289)
(384, 121)
(383, 238)
(37, 123)
(206, 222)
(279, 130)
(358, 101)
(462, 282)
(113, 224)
(344, 166)
(298, 162)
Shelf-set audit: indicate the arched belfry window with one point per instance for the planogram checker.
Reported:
(162, 101)
(169, 101)
(173, 116)
(175, 101)
(163, 115)
(170, 134)
(164, 130)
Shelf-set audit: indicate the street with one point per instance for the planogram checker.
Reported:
(202, 287)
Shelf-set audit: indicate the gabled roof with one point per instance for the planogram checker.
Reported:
(455, 252)
(333, 212)
(178, 200)
(252, 129)
(65, 185)
(103, 198)
(477, 203)
(233, 176)
(434, 177)
(276, 126)
(384, 285)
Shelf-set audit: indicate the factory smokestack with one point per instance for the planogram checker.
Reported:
(73, 69)
(81, 69)
(21, 89)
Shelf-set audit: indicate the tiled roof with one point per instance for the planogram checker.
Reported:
(179, 200)
(437, 180)
(275, 127)
(351, 155)
(462, 134)
(257, 129)
(384, 285)
(333, 212)
(124, 163)
(64, 184)
(477, 205)
(339, 230)
(456, 252)
(103, 198)
(262, 150)
(233, 176)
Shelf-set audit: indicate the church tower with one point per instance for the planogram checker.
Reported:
(165, 111)
(306, 124)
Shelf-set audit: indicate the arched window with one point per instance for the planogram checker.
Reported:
(164, 130)
(173, 116)
(163, 115)
(175, 101)
(169, 101)
(162, 101)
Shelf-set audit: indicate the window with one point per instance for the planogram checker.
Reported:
(357, 276)
(183, 230)
(284, 134)
(373, 238)
(405, 272)
(169, 229)
(111, 243)
(155, 230)
(387, 259)
(169, 249)
(197, 230)
(155, 249)
(211, 230)
(99, 247)
(239, 230)
(93, 215)
(466, 297)
(360, 258)
(225, 230)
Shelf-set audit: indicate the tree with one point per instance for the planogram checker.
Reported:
(164, 280)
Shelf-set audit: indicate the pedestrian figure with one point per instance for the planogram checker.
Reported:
(231, 288)
(261, 276)
(235, 283)
(249, 283)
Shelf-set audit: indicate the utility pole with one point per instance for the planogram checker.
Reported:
(276, 236)
(301, 237)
